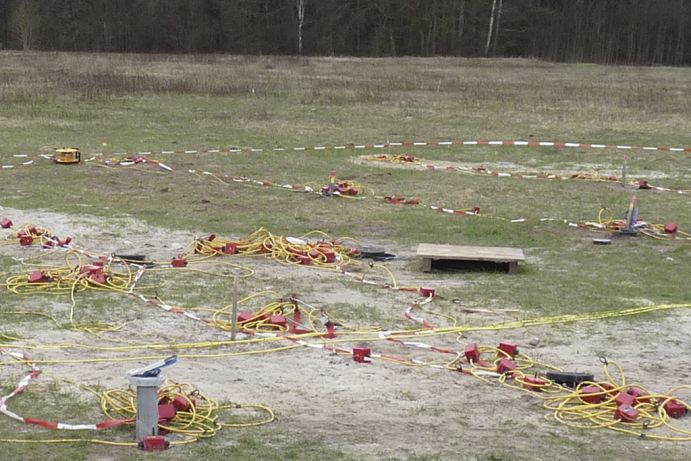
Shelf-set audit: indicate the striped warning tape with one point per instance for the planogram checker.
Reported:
(379, 145)
(23, 384)
(652, 230)
(410, 143)
(410, 160)
(427, 293)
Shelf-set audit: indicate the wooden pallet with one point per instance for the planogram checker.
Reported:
(500, 255)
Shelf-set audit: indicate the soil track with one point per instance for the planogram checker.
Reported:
(382, 409)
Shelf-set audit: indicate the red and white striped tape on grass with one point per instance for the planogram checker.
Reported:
(382, 145)
(409, 160)
(409, 143)
(24, 384)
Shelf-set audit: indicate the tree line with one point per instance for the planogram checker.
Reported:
(647, 32)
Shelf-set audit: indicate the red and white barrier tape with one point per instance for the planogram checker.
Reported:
(409, 311)
(410, 143)
(172, 309)
(475, 211)
(386, 335)
(24, 384)
(419, 163)
(310, 190)
(379, 145)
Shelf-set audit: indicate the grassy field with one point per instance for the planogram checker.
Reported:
(152, 103)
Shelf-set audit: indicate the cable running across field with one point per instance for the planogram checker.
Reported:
(345, 189)
(333, 254)
(272, 323)
(190, 414)
(351, 190)
(311, 327)
(656, 231)
(377, 145)
(411, 160)
(315, 249)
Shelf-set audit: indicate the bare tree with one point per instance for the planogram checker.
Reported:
(496, 28)
(604, 31)
(301, 21)
(24, 20)
(460, 27)
(491, 25)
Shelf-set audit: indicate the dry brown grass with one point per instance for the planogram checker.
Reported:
(375, 98)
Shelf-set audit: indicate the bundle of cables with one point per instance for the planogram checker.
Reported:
(29, 234)
(184, 411)
(577, 400)
(315, 248)
(607, 222)
(74, 276)
(396, 158)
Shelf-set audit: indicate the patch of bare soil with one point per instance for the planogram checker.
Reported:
(378, 410)
(564, 170)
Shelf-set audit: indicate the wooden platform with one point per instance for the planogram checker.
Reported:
(500, 255)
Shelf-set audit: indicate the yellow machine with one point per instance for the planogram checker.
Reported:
(67, 155)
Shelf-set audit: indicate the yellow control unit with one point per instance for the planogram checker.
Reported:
(67, 155)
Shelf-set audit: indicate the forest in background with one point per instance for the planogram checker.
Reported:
(642, 32)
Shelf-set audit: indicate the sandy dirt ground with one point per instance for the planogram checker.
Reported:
(378, 410)
(564, 170)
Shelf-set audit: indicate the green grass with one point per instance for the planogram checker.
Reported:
(58, 401)
(141, 103)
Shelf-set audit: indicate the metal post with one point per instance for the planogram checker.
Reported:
(631, 216)
(623, 172)
(332, 183)
(147, 404)
(234, 314)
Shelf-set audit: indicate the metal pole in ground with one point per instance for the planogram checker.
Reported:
(234, 314)
(623, 172)
(147, 380)
(147, 405)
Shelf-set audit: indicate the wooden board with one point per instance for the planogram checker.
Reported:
(431, 252)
